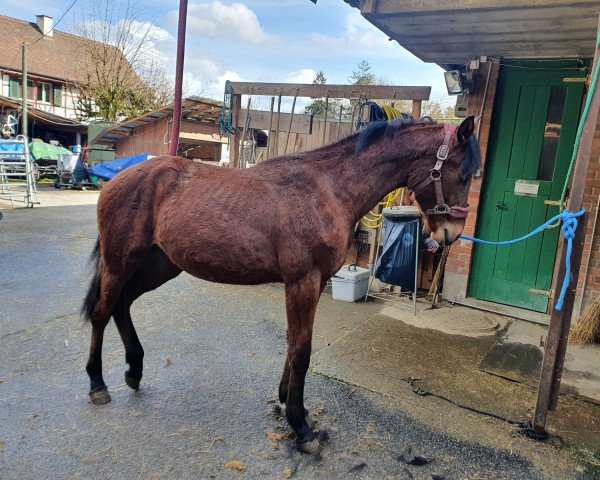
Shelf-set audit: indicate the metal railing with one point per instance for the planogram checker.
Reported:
(17, 182)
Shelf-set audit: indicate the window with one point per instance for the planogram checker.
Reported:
(30, 89)
(57, 96)
(14, 87)
(556, 106)
(44, 92)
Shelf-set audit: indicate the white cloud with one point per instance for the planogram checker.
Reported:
(358, 34)
(304, 75)
(220, 20)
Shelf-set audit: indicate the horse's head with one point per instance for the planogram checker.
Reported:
(442, 180)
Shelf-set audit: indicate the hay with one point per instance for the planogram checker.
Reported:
(587, 330)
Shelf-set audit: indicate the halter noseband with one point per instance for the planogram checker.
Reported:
(435, 177)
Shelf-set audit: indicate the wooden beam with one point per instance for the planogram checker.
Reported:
(416, 109)
(202, 137)
(560, 321)
(377, 92)
(234, 147)
(194, 127)
(261, 120)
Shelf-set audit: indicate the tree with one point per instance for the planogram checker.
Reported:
(125, 76)
(318, 106)
(362, 74)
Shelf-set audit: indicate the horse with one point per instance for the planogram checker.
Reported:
(289, 219)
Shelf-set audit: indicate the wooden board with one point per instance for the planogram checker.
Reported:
(259, 120)
(333, 91)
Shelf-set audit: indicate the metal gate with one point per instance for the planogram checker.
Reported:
(17, 182)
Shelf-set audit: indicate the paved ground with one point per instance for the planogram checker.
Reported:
(213, 359)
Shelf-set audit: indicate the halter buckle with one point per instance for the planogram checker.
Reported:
(443, 151)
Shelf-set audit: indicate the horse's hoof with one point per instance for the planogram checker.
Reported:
(132, 382)
(100, 397)
(310, 448)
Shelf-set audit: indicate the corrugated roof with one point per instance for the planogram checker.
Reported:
(193, 109)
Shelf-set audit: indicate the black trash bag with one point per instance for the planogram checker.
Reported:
(397, 263)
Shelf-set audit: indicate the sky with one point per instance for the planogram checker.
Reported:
(262, 40)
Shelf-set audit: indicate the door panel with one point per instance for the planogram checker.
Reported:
(531, 142)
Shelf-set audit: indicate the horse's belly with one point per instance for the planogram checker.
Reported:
(225, 260)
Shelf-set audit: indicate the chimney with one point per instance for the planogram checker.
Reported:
(44, 23)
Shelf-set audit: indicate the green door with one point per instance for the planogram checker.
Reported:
(531, 142)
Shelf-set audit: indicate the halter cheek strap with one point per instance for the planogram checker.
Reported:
(435, 177)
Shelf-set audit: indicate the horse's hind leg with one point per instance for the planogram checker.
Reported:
(109, 291)
(156, 270)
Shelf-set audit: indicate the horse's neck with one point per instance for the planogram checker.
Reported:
(360, 182)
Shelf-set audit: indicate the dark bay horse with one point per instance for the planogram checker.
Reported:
(288, 219)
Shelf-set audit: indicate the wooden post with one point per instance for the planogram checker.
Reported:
(234, 149)
(560, 321)
(325, 121)
(241, 163)
(287, 137)
(339, 124)
(270, 128)
(416, 109)
(276, 144)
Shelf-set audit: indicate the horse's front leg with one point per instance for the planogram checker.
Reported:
(301, 298)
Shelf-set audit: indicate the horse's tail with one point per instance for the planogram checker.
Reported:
(93, 293)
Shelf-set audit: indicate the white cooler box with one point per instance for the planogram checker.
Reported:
(350, 283)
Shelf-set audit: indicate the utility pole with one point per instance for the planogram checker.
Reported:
(24, 90)
(178, 78)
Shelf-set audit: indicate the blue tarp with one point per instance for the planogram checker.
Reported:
(108, 170)
(11, 146)
(397, 263)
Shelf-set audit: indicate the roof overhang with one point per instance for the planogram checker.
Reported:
(455, 31)
(48, 119)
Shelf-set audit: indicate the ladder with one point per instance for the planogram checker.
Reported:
(17, 183)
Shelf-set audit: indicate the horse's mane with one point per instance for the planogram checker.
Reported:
(377, 130)
(472, 160)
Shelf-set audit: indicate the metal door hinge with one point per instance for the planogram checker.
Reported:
(548, 293)
(575, 79)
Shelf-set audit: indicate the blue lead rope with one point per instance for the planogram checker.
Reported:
(568, 230)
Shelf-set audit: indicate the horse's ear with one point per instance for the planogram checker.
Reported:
(466, 129)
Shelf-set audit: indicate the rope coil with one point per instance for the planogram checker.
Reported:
(568, 229)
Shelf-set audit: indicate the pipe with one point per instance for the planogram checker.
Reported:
(487, 84)
(178, 78)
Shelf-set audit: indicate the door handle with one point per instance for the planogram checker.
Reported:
(500, 205)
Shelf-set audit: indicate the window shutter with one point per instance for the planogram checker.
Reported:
(57, 98)
(14, 87)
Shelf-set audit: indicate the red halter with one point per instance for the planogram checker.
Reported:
(435, 177)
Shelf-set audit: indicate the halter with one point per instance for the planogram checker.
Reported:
(435, 177)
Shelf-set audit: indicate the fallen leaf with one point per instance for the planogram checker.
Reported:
(274, 438)
(287, 473)
(168, 362)
(2, 446)
(318, 411)
(236, 465)
(91, 461)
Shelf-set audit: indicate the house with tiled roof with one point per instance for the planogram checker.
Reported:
(58, 63)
